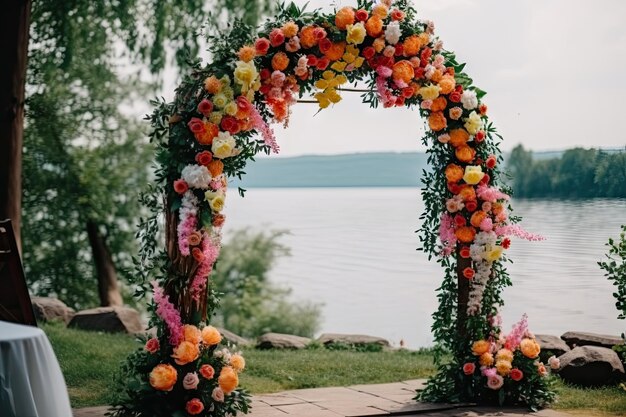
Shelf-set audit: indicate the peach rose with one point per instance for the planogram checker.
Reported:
(207, 371)
(495, 382)
(477, 218)
(228, 379)
(530, 348)
(218, 395)
(454, 173)
(280, 61)
(194, 407)
(374, 27)
(437, 121)
(209, 133)
(439, 104)
(218, 220)
(465, 154)
(412, 46)
(163, 377)
(211, 336)
(345, 16)
(185, 352)
(465, 234)
(195, 238)
(503, 367)
(336, 51)
(307, 37)
(216, 168)
(456, 113)
(237, 362)
(246, 53)
(541, 370)
(458, 137)
(380, 10)
(447, 84)
(191, 334)
(467, 193)
(212, 85)
(152, 345)
(505, 355)
(403, 70)
(486, 359)
(290, 29)
(197, 254)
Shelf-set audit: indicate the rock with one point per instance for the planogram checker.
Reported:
(551, 345)
(233, 338)
(108, 319)
(282, 341)
(352, 339)
(47, 309)
(574, 339)
(591, 366)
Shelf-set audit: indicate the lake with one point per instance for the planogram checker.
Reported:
(354, 250)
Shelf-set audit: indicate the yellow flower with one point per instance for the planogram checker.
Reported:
(163, 377)
(322, 100)
(245, 75)
(341, 79)
(473, 174)
(473, 123)
(356, 33)
(430, 92)
(328, 75)
(493, 253)
(348, 57)
(321, 84)
(215, 117)
(237, 362)
(228, 380)
(486, 359)
(339, 66)
(504, 355)
(231, 108)
(223, 145)
(211, 336)
(217, 203)
(334, 96)
(225, 80)
(530, 348)
(358, 63)
(503, 367)
(220, 100)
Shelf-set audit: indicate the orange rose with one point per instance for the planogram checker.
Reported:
(212, 85)
(216, 168)
(207, 371)
(480, 347)
(497, 208)
(209, 132)
(530, 348)
(454, 173)
(336, 51)
(191, 334)
(439, 104)
(194, 407)
(424, 38)
(290, 29)
(163, 377)
(237, 362)
(467, 193)
(486, 359)
(437, 76)
(447, 84)
(345, 16)
(374, 26)
(458, 137)
(211, 336)
(246, 53)
(280, 61)
(185, 352)
(477, 218)
(465, 234)
(380, 10)
(465, 154)
(403, 70)
(228, 380)
(437, 121)
(194, 239)
(503, 367)
(307, 37)
(412, 46)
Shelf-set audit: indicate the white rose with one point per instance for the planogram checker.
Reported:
(473, 123)
(392, 33)
(196, 176)
(223, 145)
(469, 99)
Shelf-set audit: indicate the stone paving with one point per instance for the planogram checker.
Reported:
(394, 399)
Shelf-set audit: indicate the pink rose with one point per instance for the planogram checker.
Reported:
(445, 138)
(152, 345)
(491, 161)
(293, 45)
(469, 368)
(516, 374)
(554, 362)
(277, 37)
(181, 186)
(320, 33)
(205, 107)
(495, 382)
(277, 78)
(456, 113)
(218, 395)
(196, 125)
(191, 381)
(262, 45)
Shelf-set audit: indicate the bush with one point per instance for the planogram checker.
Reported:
(250, 304)
(615, 267)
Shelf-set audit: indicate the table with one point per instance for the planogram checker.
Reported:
(31, 382)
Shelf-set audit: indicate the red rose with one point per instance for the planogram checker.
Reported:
(387, 61)
(480, 135)
(194, 407)
(196, 125)
(230, 125)
(320, 33)
(197, 254)
(205, 107)
(491, 162)
(180, 186)
(204, 157)
(362, 15)
(482, 109)
(506, 243)
(419, 74)
(397, 15)
(207, 371)
(516, 374)
(399, 50)
(426, 53)
(265, 73)
(218, 220)
(322, 63)
(454, 188)
(468, 273)
(277, 37)
(471, 205)
(408, 92)
(465, 252)
(469, 368)
(400, 101)
(325, 45)
(265, 89)
(455, 97)
(369, 52)
(459, 220)
(152, 345)
(243, 103)
(311, 60)
(485, 179)
(262, 45)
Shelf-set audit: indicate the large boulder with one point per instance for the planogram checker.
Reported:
(551, 345)
(352, 339)
(574, 339)
(233, 338)
(591, 366)
(281, 341)
(109, 319)
(47, 309)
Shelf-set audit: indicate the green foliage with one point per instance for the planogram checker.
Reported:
(250, 304)
(615, 268)
(365, 347)
(578, 173)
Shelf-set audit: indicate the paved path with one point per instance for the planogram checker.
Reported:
(360, 400)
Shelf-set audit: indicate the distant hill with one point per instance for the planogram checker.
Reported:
(351, 170)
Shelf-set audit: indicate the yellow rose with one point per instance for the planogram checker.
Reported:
(322, 100)
(430, 92)
(215, 117)
(185, 353)
(245, 75)
(217, 203)
(503, 367)
(473, 123)
(163, 377)
(530, 348)
(349, 58)
(237, 362)
(231, 108)
(211, 336)
(228, 380)
(504, 355)
(339, 66)
(493, 253)
(229, 93)
(191, 334)
(356, 33)
(480, 346)
(473, 174)
(223, 145)
(220, 100)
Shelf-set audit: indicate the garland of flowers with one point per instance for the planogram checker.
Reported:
(208, 134)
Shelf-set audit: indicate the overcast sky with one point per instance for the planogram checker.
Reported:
(554, 71)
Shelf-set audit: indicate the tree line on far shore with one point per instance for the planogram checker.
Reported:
(577, 173)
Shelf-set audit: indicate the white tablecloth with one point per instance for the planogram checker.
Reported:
(31, 382)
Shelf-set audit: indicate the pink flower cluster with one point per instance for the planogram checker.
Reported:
(517, 333)
(169, 314)
(446, 234)
(259, 124)
(517, 230)
(210, 251)
(490, 194)
(188, 221)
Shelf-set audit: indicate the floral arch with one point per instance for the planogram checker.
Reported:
(208, 134)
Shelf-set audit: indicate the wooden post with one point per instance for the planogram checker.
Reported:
(14, 26)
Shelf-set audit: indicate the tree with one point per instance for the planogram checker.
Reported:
(519, 163)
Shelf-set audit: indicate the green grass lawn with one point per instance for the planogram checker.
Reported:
(89, 361)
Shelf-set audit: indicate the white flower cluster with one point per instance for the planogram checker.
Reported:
(196, 176)
(392, 33)
(188, 206)
(482, 252)
(469, 99)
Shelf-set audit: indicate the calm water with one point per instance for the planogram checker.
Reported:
(353, 249)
